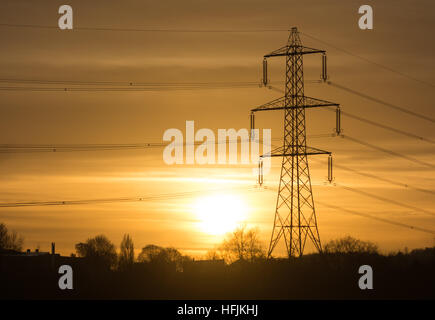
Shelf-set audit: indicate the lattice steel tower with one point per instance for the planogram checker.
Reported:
(295, 215)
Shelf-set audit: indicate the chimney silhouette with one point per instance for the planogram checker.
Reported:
(53, 246)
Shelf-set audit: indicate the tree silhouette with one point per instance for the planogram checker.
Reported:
(10, 240)
(242, 244)
(150, 253)
(213, 254)
(162, 256)
(99, 250)
(126, 256)
(349, 244)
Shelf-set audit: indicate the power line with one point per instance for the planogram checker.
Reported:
(380, 125)
(370, 61)
(123, 83)
(173, 30)
(167, 30)
(136, 83)
(186, 194)
(156, 197)
(393, 153)
(117, 89)
(382, 198)
(125, 86)
(98, 86)
(377, 218)
(373, 123)
(389, 201)
(365, 174)
(74, 148)
(389, 221)
(377, 177)
(29, 148)
(35, 148)
(390, 105)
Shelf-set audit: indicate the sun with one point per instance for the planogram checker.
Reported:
(219, 214)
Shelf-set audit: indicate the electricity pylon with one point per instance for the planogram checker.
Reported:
(295, 215)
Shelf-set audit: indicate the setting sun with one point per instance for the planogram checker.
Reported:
(219, 214)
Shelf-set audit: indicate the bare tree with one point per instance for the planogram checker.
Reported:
(126, 256)
(98, 249)
(349, 244)
(242, 244)
(10, 240)
(213, 254)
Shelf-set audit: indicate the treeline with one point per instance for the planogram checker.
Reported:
(241, 245)
(103, 272)
(101, 252)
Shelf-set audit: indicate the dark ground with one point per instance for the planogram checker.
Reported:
(327, 276)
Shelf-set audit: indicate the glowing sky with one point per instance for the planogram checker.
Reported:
(400, 39)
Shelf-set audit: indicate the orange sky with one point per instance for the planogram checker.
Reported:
(399, 40)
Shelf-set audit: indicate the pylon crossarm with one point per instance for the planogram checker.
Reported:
(309, 102)
(292, 50)
(272, 105)
(279, 152)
